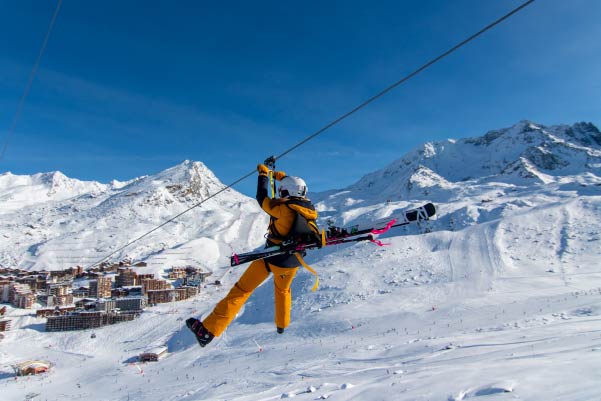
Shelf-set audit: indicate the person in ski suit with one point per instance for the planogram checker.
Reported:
(282, 211)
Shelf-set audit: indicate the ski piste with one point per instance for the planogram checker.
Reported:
(342, 235)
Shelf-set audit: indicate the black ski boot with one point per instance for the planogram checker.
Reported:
(280, 330)
(203, 336)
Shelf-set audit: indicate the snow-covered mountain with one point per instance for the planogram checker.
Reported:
(18, 191)
(526, 153)
(49, 221)
(464, 174)
(498, 298)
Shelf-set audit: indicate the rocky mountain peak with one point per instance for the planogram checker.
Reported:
(189, 180)
(526, 153)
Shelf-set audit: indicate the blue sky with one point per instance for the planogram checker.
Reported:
(129, 88)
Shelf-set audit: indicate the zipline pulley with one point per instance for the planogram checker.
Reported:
(270, 162)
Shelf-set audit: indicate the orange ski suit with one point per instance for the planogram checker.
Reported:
(283, 267)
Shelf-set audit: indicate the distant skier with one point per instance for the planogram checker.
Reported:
(290, 214)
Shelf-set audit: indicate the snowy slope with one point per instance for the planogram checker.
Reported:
(427, 326)
(498, 299)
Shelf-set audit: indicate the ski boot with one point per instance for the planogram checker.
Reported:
(203, 336)
(280, 330)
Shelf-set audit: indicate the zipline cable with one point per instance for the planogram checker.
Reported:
(334, 122)
(30, 81)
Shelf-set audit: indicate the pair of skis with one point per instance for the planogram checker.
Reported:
(343, 235)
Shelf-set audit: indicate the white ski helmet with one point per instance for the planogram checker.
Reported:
(292, 186)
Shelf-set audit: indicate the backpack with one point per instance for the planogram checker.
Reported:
(304, 229)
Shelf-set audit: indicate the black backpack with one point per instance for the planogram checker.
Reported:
(303, 230)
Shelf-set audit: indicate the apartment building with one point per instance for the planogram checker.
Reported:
(101, 287)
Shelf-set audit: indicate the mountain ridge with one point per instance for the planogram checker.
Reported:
(92, 218)
(524, 154)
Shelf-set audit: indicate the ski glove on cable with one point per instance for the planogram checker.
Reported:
(264, 170)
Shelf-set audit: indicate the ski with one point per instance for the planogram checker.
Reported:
(342, 235)
(240, 259)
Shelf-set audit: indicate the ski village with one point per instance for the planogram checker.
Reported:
(254, 201)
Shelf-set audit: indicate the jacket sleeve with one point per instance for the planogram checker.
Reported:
(264, 199)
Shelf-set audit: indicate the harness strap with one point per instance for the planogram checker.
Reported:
(311, 270)
(273, 231)
(271, 184)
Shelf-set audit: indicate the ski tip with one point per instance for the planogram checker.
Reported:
(430, 209)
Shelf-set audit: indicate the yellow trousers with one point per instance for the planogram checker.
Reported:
(227, 309)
